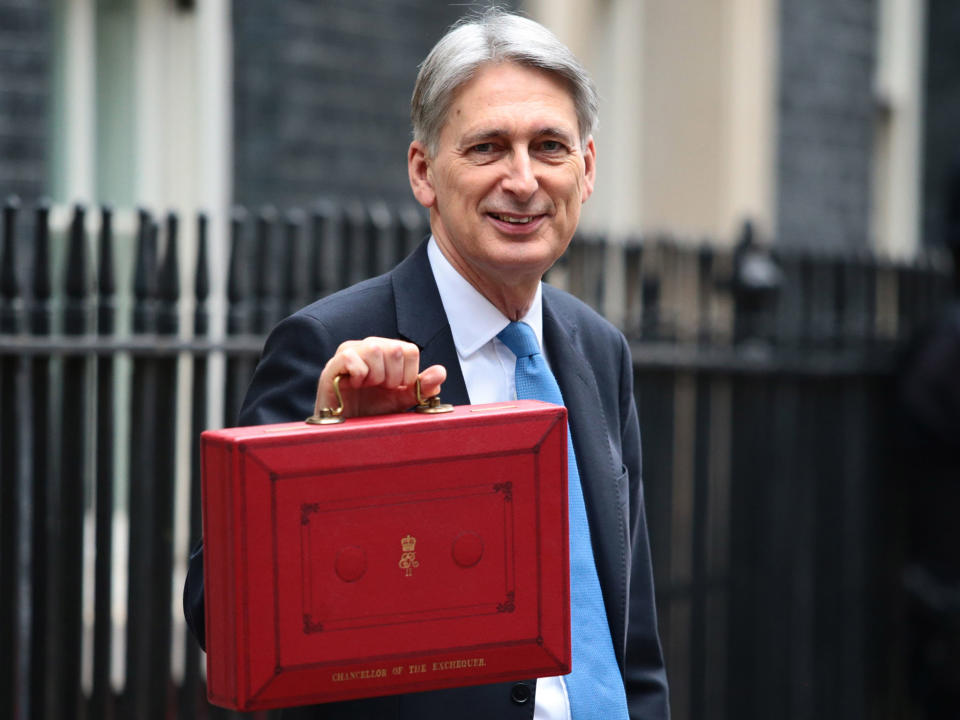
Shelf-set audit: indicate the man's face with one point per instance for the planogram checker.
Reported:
(506, 184)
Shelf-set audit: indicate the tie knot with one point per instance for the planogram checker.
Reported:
(520, 338)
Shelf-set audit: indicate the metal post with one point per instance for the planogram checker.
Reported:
(192, 694)
(73, 467)
(42, 675)
(101, 702)
(161, 516)
(10, 500)
(268, 266)
(238, 367)
(143, 419)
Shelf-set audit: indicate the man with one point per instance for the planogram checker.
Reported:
(503, 158)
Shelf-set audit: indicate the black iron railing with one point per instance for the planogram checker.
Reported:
(760, 376)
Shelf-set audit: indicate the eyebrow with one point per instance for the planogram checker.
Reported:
(493, 133)
(482, 136)
(558, 133)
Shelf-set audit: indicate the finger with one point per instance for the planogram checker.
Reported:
(411, 364)
(353, 362)
(372, 353)
(347, 361)
(393, 365)
(431, 379)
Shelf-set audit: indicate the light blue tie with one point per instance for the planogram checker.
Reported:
(595, 687)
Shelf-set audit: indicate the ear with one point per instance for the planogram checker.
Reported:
(418, 169)
(589, 170)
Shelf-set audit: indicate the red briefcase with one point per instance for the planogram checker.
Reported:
(385, 555)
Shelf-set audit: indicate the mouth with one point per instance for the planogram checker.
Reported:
(513, 223)
(513, 218)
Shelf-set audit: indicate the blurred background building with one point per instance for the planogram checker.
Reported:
(826, 123)
(829, 125)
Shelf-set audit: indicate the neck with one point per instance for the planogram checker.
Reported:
(513, 298)
(513, 305)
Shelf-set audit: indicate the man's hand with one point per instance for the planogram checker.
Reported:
(381, 377)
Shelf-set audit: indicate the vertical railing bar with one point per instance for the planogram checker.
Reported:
(143, 396)
(73, 467)
(238, 367)
(41, 678)
(192, 694)
(163, 425)
(700, 526)
(101, 703)
(701, 491)
(705, 281)
(268, 265)
(11, 693)
(651, 289)
(10, 300)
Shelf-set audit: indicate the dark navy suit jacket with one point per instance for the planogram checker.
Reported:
(591, 361)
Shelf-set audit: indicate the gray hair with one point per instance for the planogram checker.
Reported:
(492, 37)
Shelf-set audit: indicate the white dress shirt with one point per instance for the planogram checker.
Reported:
(488, 372)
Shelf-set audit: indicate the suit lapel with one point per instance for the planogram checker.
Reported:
(422, 321)
(595, 462)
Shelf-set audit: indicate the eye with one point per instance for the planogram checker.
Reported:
(552, 147)
(483, 148)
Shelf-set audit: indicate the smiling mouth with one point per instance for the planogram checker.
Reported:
(513, 219)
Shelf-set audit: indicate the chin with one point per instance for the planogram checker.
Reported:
(524, 259)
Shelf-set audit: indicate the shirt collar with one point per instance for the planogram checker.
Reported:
(474, 320)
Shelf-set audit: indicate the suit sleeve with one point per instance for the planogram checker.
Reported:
(645, 678)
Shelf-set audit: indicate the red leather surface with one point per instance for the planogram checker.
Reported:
(387, 554)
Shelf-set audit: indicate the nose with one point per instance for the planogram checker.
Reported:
(520, 179)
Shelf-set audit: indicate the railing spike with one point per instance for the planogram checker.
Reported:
(145, 263)
(238, 277)
(9, 286)
(106, 282)
(42, 285)
(201, 284)
(76, 283)
(10, 301)
(267, 264)
(145, 274)
(168, 288)
(169, 280)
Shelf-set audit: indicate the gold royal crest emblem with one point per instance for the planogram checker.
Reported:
(408, 558)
